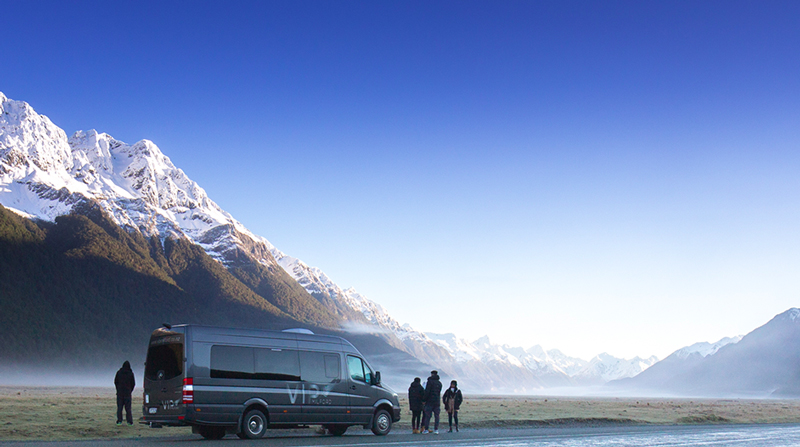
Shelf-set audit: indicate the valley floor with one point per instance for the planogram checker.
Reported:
(61, 413)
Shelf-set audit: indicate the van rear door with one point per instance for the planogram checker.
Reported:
(163, 376)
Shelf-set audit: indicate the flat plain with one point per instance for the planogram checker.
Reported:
(68, 413)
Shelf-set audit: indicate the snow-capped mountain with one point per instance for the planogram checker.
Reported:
(704, 348)
(44, 174)
(762, 363)
(552, 364)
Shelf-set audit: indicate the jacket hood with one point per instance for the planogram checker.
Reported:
(126, 365)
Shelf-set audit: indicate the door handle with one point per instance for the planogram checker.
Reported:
(353, 387)
(163, 390)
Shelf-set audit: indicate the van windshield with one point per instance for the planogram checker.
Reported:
(164, 361)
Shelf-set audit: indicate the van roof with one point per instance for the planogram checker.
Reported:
(200, 330)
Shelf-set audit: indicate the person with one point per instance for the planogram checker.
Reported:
(125, 383)
(452, 401)
(415, 394)
(432, 399)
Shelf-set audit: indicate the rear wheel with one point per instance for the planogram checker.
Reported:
(254, 424)
(210, 432)
(382, 424)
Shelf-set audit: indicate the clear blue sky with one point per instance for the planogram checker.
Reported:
(589, 176)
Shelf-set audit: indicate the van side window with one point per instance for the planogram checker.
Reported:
(319, 367)
(356, 368)
(232, 362)
(239, 362)
(277, 364)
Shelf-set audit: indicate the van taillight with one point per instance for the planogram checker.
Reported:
(188, 390)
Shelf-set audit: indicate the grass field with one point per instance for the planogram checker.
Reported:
(61, 413)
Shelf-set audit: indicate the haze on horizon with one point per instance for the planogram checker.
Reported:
(617, 177)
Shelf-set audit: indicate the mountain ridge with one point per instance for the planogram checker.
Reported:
(45, 174)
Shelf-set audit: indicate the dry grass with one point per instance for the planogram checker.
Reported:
(57, 413)
(483, 411)
(39, 413)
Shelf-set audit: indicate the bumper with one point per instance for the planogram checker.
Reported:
(396, 414)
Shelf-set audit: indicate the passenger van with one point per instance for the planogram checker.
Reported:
(243, 381)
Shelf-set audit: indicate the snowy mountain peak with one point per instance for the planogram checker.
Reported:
(793, 314)
(704, 349)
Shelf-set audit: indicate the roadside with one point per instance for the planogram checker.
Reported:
(69, 413)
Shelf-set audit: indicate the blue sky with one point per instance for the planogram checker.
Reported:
(589, 176)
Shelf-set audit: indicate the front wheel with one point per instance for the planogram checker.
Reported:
(254, 424)
(382, 424)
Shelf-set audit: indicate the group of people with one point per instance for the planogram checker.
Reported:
(426, 402)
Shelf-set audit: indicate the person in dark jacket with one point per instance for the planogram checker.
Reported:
(432, 399)
(415, 393)
(125, 383)
(452, 401)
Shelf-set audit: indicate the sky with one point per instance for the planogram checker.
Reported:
(610, 176)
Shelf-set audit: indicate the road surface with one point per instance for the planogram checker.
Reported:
(616, 436)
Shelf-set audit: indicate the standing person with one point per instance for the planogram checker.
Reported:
(452, 401)
(415, 402)
(415, 394)
(125, 383)
(433, 390)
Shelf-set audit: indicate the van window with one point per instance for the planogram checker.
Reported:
(320, 367)
(359, 370)
(232, 362)
(164, 361)
(277, 364)
(240, 362)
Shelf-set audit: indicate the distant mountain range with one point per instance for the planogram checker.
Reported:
(108, 236)
(765, 362)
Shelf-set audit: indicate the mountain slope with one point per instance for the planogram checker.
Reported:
(763, 362)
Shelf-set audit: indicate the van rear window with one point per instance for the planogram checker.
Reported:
(239, 362)
(164, 361)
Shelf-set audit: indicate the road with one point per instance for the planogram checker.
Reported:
(616, 436)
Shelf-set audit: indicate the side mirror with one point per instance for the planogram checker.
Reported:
(376, 380)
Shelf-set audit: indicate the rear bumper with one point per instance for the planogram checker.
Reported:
(163, 421)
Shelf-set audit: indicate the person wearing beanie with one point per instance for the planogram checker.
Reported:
(452, 401)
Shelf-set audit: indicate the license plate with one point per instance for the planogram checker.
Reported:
(152, 410)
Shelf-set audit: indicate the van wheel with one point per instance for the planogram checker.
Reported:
(337, 430)
(254, 424)
(382, 424)
(211, 433)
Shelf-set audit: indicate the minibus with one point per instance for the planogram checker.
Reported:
(244, 381)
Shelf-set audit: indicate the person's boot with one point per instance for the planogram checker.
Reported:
(451, 429)
(456, 428)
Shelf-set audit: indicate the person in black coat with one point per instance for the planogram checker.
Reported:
(432, 398)
(452, 401)
(125, 383)
(415, 402)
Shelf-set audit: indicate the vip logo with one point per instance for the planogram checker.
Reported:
(314, 391)
(170, 404)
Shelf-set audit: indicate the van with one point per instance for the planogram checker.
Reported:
(244, 381)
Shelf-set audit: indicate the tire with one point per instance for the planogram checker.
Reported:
(337, 430)
(211, 433)
(254, 424)
(382, 423)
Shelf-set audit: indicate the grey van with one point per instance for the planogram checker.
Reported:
(243, 381)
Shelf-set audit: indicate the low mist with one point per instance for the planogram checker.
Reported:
(25, 375)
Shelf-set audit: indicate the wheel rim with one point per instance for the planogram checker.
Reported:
(255, 424)
(383, 422)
